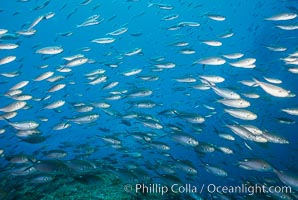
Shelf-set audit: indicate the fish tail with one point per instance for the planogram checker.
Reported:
(150, 4)
(7, 120)
(173, 158)
(210, 84)
(201, 161)
(256, 81)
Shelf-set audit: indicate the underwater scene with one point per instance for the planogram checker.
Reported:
(148, 99)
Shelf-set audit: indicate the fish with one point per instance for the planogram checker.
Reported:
(1, 132)
(84, 108)
(187, 51)
(8, 46)
(170, 17)
(168, 65)
(227, 35)
(3, 31)
(211, 61)
(84, 119)
(212, 43)
(185, 140)
(226, 136)
(110, 85)
(159, 145)
(7, 59)
(27, 133)
(217, 171)
(213, 78)
(55, 154)
(44, 76)
(132, 72)
(251, 95)
(246, 134)
(55, 78)
(98, 80)
(51, 50)
(276, 49)
(223, 92)
(293, 70)
(284, 120)
(119, 31)
(216, 17)
(70, 58)
(287, 178)
(191, 117)
(77, 62)
(57, 87)
(15, 106)
(10, 75)
(91, 21)
(241, 114)
(274, 138)
(185, 80)
(253, 129)
(225, 150)
(287, 27)
(255, 164)
(107, 40)
(61, 126)
(111, 140)
(190, 24)
(186, 166)
(233, 55)
(41, 179)
(144, 104)
(27, 32)
(133, 52)
(152, 124)
(24, 125)
(161, 6)
(273, 80)
(141, 92)
(19, 85)
(55, 104)
(36, 22)
(8, 115)
(235, 103)
(273, 90)
(290, 111)
(244, 63)
(20, 159)
(282, 17)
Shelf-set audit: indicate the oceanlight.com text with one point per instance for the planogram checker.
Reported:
(210, 188)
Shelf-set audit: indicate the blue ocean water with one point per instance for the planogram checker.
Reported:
(162, 144)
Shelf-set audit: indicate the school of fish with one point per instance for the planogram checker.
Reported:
(84, 91)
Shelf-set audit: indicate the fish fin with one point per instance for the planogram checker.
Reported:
(257, 82)
(201, 161)
(173, 157)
